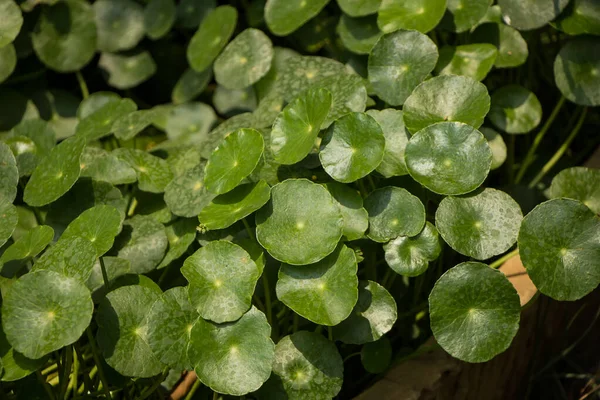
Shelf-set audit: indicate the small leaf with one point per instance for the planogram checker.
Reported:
(73, 257)
(228, 208)
(29, 245)
(398, 62)
(100, 165)
(446, 98)
(234, 159)
(181, 235)
(222, 278)
(11, 23)
(129, 125)
(577, 71)
(309, 366)
(153, 173)
(8, 61)
(396, 137)
(44, 311)
(99, 225)
(462, 15)
(120, 24)
(65, 36)
(359, 8)
(512, 48)
(325, 292)
(9, 174)
(436, 157)
(147, 245)
(515, 109)
(350, 203)
(301, 224)
(558, 244)
(376, 356)
(352, 147)
(420, 15)
(190, 123)
(497, 146)
(100, 123)
(123, 331)
(296, 128)
(211, 37)
(410, 256)
(190, 85)
(393, 212)
(159, 17)
(245, 60)
(233, 358)
(358, 35)
(373, 316)
(56, 173)
(170, 323)
(480, 225)
(578, 183)
(472, 60)
(126, 71)
(285, 16)
(187, 194)
(534, 14)
(234, 101)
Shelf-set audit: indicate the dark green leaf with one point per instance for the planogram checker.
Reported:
(16, 366)
(355, 217)
(578, 183)
(285, 16)
(462, 15)
(120, 24)
(512, 48)
(100, 123)
(153, 173)
(147, 245)
(8, 61)
(181, 235)
(376, 356)
(159, 17)
(73, 257)
(577, 71)
(29, 245)
(410, 256)
(9, 174)
(580, 17)
(358, 8)
(190, 13)
(532, 14)
(515, 109)
(358, 35)
(100, 165)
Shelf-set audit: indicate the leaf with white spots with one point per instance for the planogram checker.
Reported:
(146, 245)
(410, 256)
(127, 126)
(100, 123)
(153, 173)
(16, 366)
(230, 102)
(190, 123)
(29, 245)
(222, 278)
(73, 257)
(187, 195)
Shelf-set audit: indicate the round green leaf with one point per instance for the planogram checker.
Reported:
(479, 225)
(233, 358)
(474, 311)
(73, 257)
(358, 8)
(325, 292)
(373, 316)
(129, 125)
(65, 36)
(211, 37)
(222, 278)
(393, 212)
(296, 128)
(399, 62)
(191, 12)
(234, 159)
(228, 208)
(245, 60)
(420, 15)
(515, 109)
(462, 15)
(126, 71)
(153, 173)
(10, 218)
(99, 225)
(44, 311)
(396, 137)
(472, 60)
(301, 224)
(11, 22)
(410, 256)
(285, 16)
(190, 85)
(120, 24)
(559, 247)
(358, 35)
(56, 173)
(95, 102)
(28, 245)
(578, 183)
(9, 174)
(100, 165)
(159, 17)
(497, 146)
(512, 48)
(147, 244)
(16, 365)
(8, 61)
(169, 323)
(100, 123)
(577, 71)
(531, 14)
(309, 366)
(352, 147)
(356, 219)
(446, 98)
(580, 17)
(436, 157)
(181, 235)
(376, 356)
(123, 328)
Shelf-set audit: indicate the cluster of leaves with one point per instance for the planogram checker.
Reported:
(143, 233)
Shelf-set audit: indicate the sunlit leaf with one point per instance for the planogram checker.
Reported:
(73, 257)
(420, 15)
(285, 16)
(99, 225)
(579, 183)
(29, 245)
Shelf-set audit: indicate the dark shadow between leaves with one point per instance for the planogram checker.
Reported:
(359, 325)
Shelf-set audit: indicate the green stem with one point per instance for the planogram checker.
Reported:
(193, 390)
(248, 229)
(97, 360)
(504, 258)
(350, 356)
(559, 153)
(371, 182)
(104, 275)
(215, 396)
(68, 363)
(538, 139)
(82, 85)
(154, 386)
(268, 304)
(361, 187)
(73, 383)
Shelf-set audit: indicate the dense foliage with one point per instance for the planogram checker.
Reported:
(262, 191)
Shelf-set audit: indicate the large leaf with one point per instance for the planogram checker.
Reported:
(472, 60)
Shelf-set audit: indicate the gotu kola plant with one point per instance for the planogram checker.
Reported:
(244, 184)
